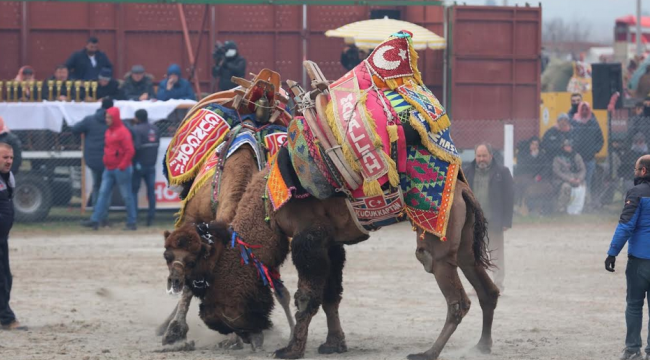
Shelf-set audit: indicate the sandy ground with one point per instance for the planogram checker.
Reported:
(94, 296)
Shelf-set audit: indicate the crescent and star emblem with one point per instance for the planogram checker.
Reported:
(374, 203)
(381, 62)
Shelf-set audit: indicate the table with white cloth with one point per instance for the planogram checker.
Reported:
(49, 115)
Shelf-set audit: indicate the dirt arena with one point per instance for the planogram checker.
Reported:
(100, 296)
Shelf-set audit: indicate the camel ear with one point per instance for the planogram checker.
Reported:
(166, 234)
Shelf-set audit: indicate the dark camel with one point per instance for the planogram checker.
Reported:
(320, 229)
(234, 291)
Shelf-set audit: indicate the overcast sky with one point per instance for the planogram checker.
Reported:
(600, 14)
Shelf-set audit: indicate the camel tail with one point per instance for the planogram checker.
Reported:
(481, 240)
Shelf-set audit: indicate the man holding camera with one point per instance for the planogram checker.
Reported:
(228, 64)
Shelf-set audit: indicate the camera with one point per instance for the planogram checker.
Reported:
(219, 52)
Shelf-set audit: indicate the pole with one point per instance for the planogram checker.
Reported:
(304, 45)
(638, 28)
(508, 146)
(188, 46)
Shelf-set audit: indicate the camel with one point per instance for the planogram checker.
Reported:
(218, 266)
(320, 228)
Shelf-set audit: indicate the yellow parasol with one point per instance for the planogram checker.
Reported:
(367, 34)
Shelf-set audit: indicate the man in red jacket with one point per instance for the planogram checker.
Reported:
(118, 152)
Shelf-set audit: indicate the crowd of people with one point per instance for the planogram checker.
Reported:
(91, 64)
(122, 156)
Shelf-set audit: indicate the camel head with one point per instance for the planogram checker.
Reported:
(190, 257)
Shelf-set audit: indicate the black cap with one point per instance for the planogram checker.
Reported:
(107, 103)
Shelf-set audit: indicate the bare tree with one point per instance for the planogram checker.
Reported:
(561, 37)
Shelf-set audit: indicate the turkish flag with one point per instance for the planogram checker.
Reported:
(391, 59)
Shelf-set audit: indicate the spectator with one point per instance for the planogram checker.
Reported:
(587, 138)
(26, 73)
(351, 57)
(61, 73)
(638, 148)
(147, 141)
(532, 176)
(107, 86)
(555, 136)
(568, 172)
(138, 85)
(634, 228)
(175, 87)
(94, 127)
(118, 153)
(638, 108)
(640, 123)
(493, 187)
(643, 87)
(9, 138)
(228, 64)
(86, 63)
(576, 99)
(7, 186)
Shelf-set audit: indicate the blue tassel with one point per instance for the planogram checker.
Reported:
(244, 255)
(234, 237)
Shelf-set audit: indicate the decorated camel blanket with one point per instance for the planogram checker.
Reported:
(265, 141)
(368, 110)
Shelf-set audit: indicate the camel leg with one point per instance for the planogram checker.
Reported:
(310, 256)
(439, 257)
(233, 342)
(486, 290)
(163, 327)
(283, 297)
(178, 328)
(335, 342)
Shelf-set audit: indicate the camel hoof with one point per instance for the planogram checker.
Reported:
(483, 348)
(337, 347)
(288, 353)
(176, 331)
(421, 356)
(160, 330)
(232, 344)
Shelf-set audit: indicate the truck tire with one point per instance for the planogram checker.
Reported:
(32, 197)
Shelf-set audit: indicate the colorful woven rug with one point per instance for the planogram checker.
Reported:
(428, 186)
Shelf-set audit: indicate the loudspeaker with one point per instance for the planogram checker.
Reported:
(606, 79)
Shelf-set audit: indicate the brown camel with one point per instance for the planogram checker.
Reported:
(320, 228)
(224, 298)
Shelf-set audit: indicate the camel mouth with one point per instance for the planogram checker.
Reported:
(174, 287)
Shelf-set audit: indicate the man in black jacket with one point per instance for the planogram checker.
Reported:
(492, 185)
(7, 185)
(107, 86)
(137, 85)
(228, 64)
(146, 142)
(7, 137)
(94, 129)
(86, 63)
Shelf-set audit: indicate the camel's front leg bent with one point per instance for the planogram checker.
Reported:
(309, 252)
(177, 329)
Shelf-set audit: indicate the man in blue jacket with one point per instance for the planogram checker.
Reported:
(175, 87)
(86, 63)
(634, 227)
(94, 129)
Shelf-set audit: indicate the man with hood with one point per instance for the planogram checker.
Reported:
(94, 127)
(174, 86)
(147, 141)
(6, 136)
(138, 85)
(86, 63)
(634, 227)
(228, 64)
(587, 138)
(118, 153)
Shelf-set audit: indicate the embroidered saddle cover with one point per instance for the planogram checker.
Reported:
(367, 111)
